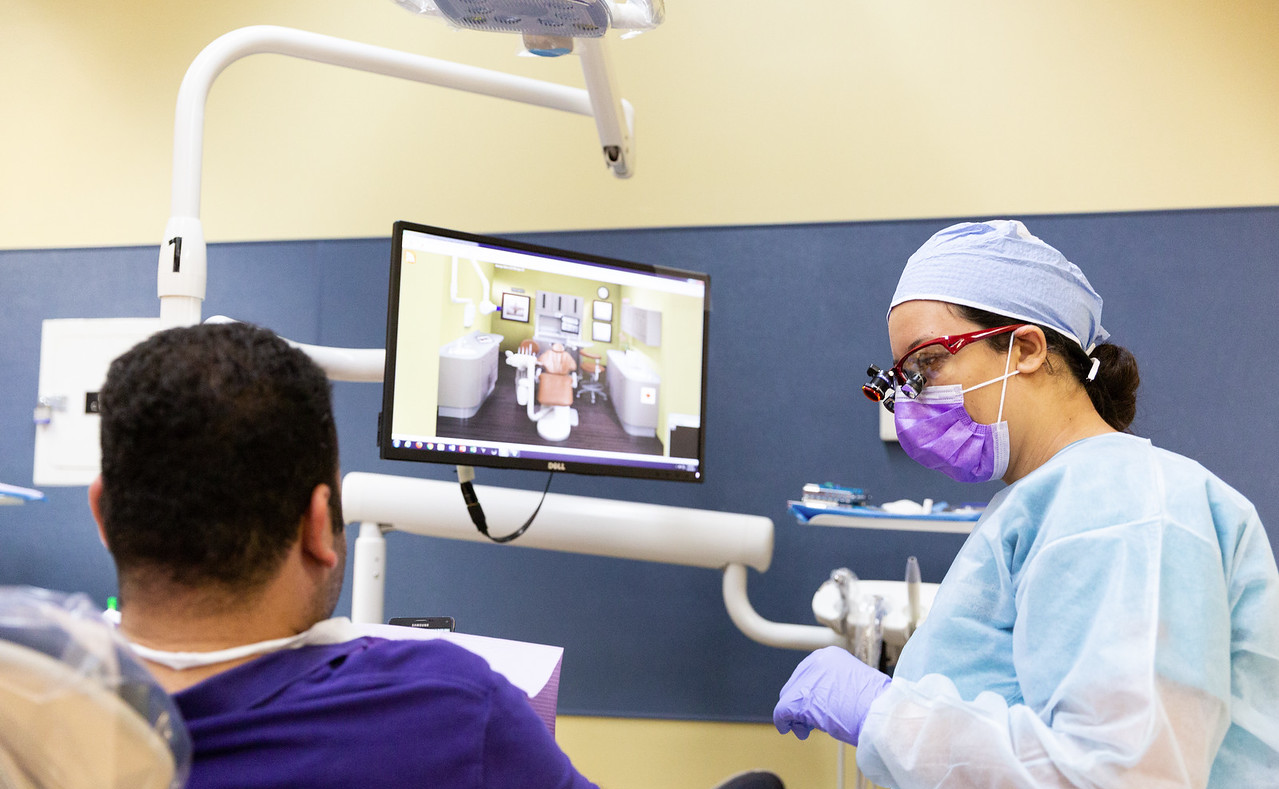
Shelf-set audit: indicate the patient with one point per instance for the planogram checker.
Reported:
(219, 503)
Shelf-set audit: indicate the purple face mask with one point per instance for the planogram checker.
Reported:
(937, 432)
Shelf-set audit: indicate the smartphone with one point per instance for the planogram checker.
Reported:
(425, 622)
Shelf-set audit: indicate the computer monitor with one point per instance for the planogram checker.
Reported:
(506, 354)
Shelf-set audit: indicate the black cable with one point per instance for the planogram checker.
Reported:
(465, 474)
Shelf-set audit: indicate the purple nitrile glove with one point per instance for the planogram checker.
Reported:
(830, 690)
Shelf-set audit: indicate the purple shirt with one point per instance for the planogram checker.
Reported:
(370, 713)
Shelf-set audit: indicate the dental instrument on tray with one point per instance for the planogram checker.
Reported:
(828, 504)
(830, 494)
(912, 594)
(12, 494)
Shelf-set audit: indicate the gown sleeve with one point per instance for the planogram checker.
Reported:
(1121, 683)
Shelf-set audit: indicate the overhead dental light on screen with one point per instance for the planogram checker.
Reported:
(549, 27)
(486, 306)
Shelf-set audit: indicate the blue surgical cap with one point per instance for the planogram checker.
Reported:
(1000, 267)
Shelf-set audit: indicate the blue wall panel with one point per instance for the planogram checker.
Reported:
(797, 313)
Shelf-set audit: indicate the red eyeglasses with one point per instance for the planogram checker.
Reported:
(913, 371)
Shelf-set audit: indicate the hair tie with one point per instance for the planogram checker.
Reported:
(1096, 365)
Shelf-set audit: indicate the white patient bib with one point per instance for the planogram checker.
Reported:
(328, 631)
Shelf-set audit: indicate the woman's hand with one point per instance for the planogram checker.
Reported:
(830, 690)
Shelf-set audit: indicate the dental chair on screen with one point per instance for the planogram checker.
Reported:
(524, 360)
(552, 377)
(555, 385)
(77, 711)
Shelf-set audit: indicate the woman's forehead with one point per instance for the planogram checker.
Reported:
(913, 322)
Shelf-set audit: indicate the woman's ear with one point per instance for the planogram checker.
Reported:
(1031, 349)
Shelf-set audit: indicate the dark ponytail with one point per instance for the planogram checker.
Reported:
(1114, 389)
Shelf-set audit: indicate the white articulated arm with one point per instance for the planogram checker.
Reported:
(614, 117)
(773, 634)
(575, 524)
(368, 576)
(182, 267)
(366, 365)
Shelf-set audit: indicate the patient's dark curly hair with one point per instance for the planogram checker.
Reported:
(213, 439)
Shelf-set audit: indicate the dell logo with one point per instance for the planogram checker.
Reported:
(554, 465)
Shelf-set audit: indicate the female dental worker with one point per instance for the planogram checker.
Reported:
(1113, 620)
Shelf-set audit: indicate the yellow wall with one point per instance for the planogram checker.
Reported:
(633, 754)
(422, 331)
(747, 112)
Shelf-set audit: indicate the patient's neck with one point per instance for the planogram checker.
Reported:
(183, 619)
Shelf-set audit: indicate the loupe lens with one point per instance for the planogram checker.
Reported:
(913, 386)
(880, 387)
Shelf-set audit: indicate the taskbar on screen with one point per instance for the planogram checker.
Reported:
(485, 449)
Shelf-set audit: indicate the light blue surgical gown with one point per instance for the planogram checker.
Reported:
(1112, 621)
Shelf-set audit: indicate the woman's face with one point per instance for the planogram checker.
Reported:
(913, 322)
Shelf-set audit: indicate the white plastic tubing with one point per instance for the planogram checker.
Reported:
(182, 268)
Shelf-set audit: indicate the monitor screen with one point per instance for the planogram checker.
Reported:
(506, 354)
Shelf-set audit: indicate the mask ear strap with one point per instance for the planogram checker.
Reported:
(1003, 390)
(1096, 365)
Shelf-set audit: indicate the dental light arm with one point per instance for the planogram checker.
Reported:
(182, 269)
(486, 306)
(611, 112)
(468, 310)
(365, 365)
(340, 364)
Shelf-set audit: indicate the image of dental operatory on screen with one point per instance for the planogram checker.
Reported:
(506, 353)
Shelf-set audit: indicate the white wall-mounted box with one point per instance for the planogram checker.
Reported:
(74, 356)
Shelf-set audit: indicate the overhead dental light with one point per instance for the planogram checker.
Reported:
(547, 26)
(487, 307)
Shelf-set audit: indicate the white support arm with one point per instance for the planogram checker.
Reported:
(773, 634)
(368, 577)
(614, 117)
(366, 365)
(576, 524)
(182, 267)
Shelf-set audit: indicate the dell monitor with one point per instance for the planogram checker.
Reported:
(512, 355)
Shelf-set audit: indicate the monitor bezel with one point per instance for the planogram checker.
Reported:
(572, 466)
